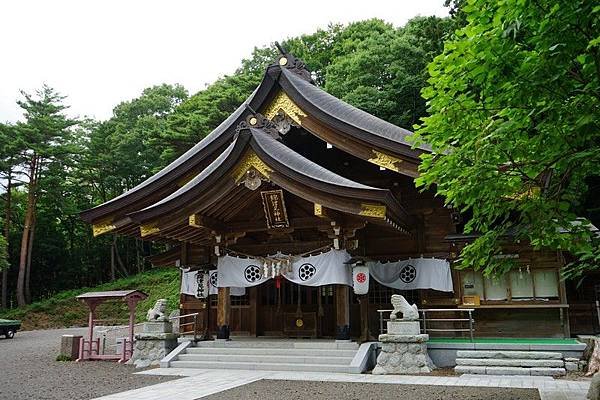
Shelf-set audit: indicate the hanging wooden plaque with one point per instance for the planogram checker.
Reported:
(275, 211)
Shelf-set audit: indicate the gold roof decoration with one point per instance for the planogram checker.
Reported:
(282, 102)
(373, 210)
(251, 160)
(102, 228)
(147, 230)
(385, 161)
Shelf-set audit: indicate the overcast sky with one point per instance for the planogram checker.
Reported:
(101, 52)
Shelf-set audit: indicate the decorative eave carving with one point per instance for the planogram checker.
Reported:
(249, 161)
(385, 161)
(282, 103)
(149, 229)
(259, 121)
(373, 210)
(102, 228)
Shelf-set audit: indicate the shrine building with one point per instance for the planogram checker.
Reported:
(298, 216)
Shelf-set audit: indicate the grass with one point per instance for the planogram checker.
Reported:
(63, 310)
(554, 341)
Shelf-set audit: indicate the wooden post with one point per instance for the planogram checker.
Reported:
(365, 334)
(223, 313)
(342, 303)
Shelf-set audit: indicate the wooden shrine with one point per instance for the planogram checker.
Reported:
(295, 170)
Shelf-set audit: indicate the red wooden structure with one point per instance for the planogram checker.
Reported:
(89, 349)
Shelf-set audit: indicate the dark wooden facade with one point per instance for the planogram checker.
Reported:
(347, 180)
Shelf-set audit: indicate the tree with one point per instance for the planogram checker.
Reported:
(10, 146)
(515, 116)
(45, 136)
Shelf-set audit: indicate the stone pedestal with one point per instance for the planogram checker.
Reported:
(69, 346)
(403, 350)
(154, 343)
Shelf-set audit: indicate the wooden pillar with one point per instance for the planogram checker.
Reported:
(365, 334)
(342, 306)
(223, 313)
(253, 295)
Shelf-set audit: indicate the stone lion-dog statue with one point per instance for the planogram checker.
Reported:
(157, 313)
(409, 313)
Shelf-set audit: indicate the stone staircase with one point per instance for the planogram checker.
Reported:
(499, 362)
(268, 355)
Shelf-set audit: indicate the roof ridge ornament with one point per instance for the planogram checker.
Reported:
(259, 121)
(294, 64)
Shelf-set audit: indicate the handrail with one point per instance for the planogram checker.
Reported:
(195, 323)
(424, 320)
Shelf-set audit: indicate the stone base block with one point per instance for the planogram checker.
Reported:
(403, 354)
(150, 351)
(403, 328)
(158, 327)
(387, 338)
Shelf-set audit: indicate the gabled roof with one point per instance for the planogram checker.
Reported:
(256, 149)
(286, 89)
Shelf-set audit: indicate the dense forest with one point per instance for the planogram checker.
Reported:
(506, 93)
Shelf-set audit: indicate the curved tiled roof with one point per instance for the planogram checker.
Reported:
(298, 163)
(347, 113)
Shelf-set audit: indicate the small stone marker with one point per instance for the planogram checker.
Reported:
(69, 346)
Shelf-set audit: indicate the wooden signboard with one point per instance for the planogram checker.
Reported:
(275, 211)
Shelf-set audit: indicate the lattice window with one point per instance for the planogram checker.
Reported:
(380, 294)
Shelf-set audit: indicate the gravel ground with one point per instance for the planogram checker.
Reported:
(28, 370)
(300, 390)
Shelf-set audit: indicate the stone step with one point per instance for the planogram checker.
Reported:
(261, 366)
(533, 371)
(497, 354)
(257, 351)
(281, 359)
(510, 362)
(278, 345)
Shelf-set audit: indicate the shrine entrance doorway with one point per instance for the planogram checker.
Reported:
(286, 309)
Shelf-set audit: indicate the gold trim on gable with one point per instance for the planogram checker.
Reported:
(102, 228)
(251, 160)
(372, 210)
(318, 210)
(385, 161)
(147, 230)
(282, 102)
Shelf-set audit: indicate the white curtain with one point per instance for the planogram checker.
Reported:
(415, 273)
(189, 284)
(322, 269)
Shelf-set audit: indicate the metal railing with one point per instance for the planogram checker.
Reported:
(194, 324)
(426, 320)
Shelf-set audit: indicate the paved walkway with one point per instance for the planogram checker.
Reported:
(198, 383)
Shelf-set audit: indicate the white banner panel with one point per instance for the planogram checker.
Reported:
(214, 288)
(415, 273)
(323, 269)
(189, 284)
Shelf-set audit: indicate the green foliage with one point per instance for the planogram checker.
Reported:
(63, 358)
(514, 102)
(62, 310)
(3, 253)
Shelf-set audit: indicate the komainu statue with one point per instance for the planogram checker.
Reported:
(409, 313)
(157, 313)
